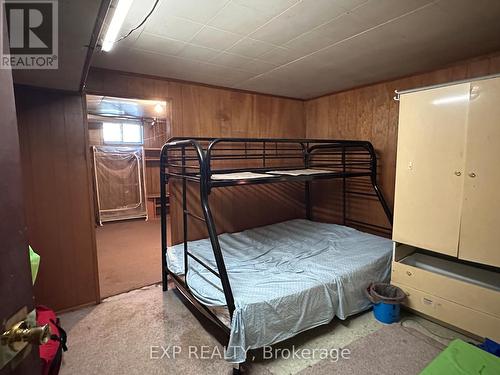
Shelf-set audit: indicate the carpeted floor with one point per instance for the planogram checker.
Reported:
(391, 350)
(138, 332)
(128, 255)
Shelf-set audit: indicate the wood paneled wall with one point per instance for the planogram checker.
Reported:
(199, 110)
(57, 190)
(370, 113)
(57, 181)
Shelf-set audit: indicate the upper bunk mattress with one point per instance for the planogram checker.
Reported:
(286, 278)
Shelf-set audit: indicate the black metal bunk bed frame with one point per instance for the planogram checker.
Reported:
(194, 159)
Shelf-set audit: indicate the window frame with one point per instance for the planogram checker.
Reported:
(121, 141)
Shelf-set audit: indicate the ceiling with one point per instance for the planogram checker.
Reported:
(295, 48)
(76, 23)
(301, 48)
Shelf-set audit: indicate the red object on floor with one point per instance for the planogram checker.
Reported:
(51, 351)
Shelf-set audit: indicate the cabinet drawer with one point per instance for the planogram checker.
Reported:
(465, 318)
(463, 293)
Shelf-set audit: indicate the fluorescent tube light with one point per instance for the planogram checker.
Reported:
(116, 24)
(451, 99)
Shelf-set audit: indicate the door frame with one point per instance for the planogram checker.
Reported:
(92, 200)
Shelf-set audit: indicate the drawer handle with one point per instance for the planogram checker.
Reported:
(472, 174)
(408, 273)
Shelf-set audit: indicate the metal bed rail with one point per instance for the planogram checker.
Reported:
(226, 155)
(200, 159)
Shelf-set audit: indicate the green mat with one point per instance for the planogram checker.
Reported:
(462, 358)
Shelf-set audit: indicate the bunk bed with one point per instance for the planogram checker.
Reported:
(266, 284)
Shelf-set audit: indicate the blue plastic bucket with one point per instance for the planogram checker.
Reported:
(386, 313)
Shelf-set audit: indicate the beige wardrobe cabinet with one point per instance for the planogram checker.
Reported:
(447, 197)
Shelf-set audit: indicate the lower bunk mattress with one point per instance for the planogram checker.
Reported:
(286, 278)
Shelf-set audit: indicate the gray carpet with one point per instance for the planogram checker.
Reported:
(119, 335)
(391, 350)
(126, 333)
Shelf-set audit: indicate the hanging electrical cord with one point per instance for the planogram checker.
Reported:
(139, 25)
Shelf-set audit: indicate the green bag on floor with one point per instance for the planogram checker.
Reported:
(461, 358)
(35, 263)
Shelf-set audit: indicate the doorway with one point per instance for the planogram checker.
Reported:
(125, 136)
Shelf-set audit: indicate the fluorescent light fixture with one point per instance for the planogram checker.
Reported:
(116, 23)
(451, 99)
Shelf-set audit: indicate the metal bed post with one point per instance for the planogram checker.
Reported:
(307, 185)
(184, 214)
(263, 154)
(308, 200)
(344, 200)
(212, 231)
(219, 260)
(372, 173)
(163, 218)
(373, 179)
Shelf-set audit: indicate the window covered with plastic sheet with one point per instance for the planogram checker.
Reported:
(119, 182)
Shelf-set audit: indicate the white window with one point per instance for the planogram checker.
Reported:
(122, 132)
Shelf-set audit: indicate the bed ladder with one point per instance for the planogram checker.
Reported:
(207, 218)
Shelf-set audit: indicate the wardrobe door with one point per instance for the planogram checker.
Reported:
(480, 227)
(429, 168)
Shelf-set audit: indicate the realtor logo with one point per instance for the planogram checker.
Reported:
(32, 34)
